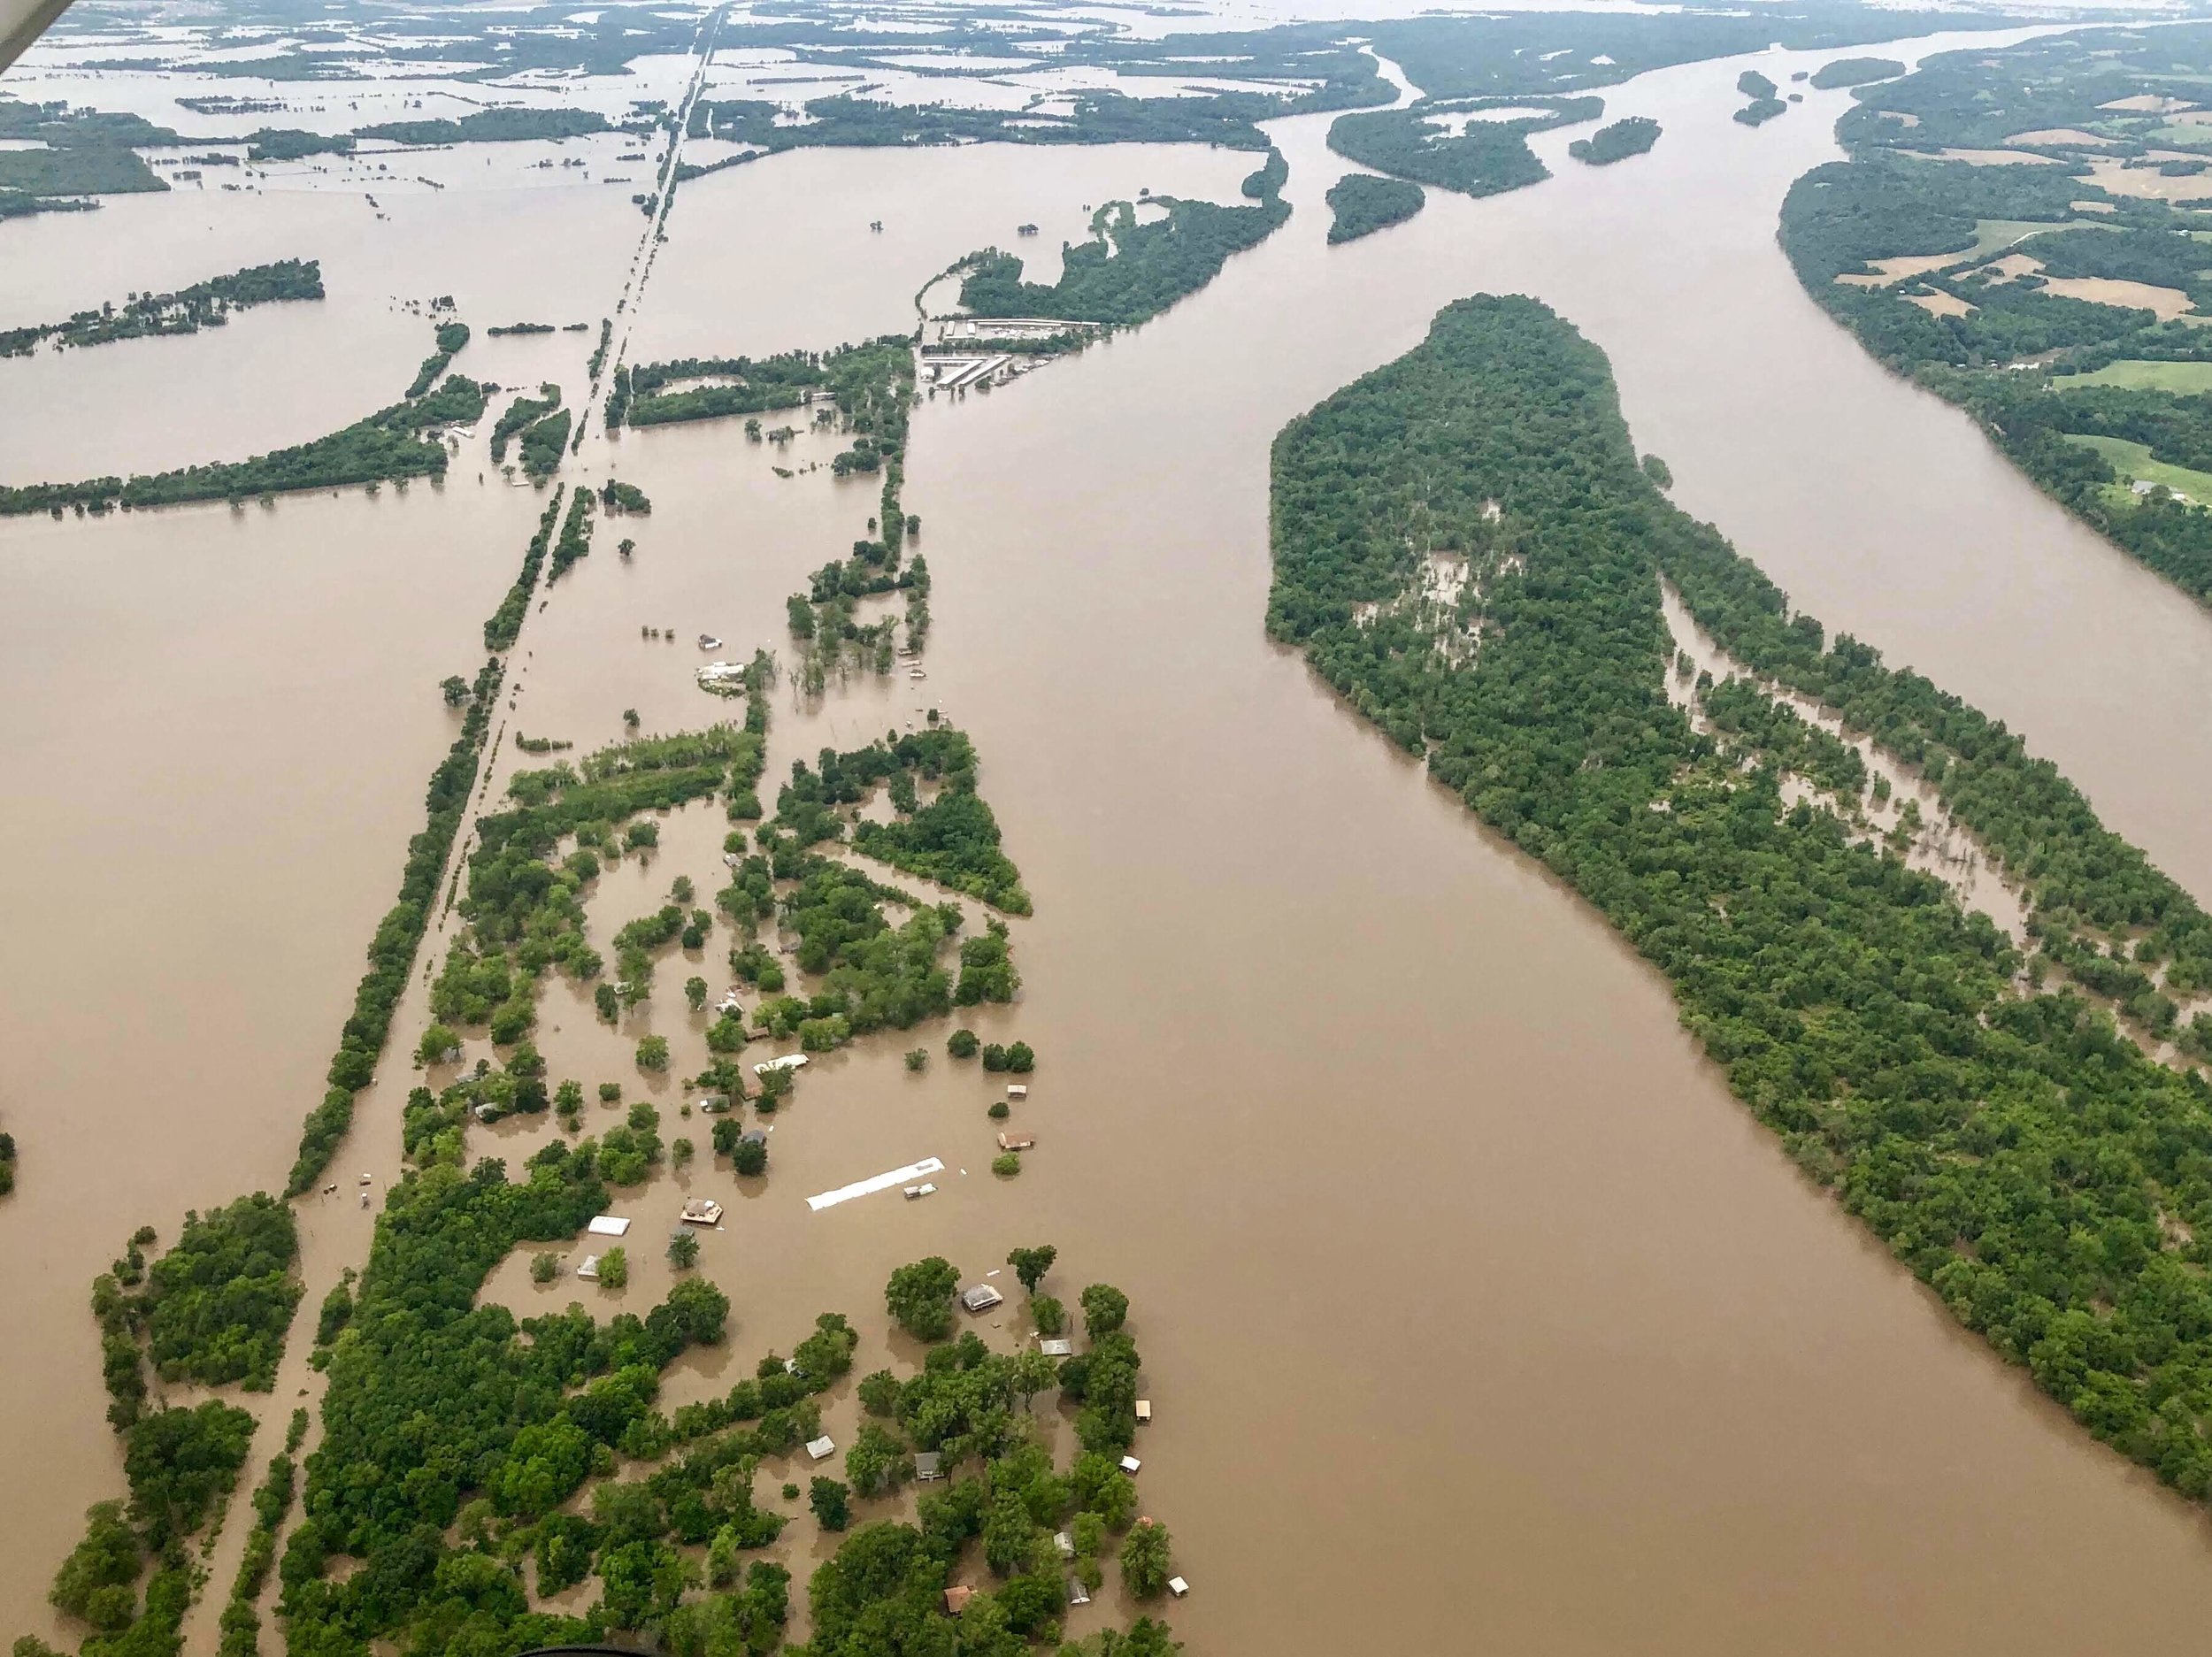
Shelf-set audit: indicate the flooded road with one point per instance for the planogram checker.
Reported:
(1472, 1305)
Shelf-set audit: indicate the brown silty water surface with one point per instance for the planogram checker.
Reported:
(1474, 1307)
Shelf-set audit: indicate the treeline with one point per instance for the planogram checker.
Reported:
(389, 445)
(2014, 352)
(240, 1622)
(2010, 1146)
(398, 936)
(290, 143)
(739, 385)
(1363, 203)
(1486, 158)
(188, 311)
(575, 542)
(1128, 270)
(489, 126)
(451, 337)
(1632, 136)
(503, 626)
(1856, 71)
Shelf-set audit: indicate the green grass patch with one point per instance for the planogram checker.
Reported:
(2181, 378)
(1993, 235)
(2134, 461)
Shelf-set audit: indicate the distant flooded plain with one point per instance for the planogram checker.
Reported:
(1473, 1308)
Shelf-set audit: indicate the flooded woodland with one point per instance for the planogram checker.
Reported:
(1473, 1306)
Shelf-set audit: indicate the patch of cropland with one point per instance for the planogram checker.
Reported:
(1475, 146)
(1972, 1102)
(1633, 136)
(1363, 203)
(203, 305)
(2028, 234)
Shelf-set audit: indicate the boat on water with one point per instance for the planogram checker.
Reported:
(916, 672)
(708, 641)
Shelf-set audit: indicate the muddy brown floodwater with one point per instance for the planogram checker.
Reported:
(1476, 1311)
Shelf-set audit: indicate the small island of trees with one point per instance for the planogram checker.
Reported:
(1632, 136)
(1364, 203)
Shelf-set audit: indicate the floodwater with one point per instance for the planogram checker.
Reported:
(1473, 1308)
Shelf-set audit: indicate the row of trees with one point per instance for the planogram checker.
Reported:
(187, 311)
(393, 444)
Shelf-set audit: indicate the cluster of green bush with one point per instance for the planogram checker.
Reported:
(953, 840)
(525, 909)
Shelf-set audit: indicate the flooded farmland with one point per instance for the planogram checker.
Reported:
(1466, 1291)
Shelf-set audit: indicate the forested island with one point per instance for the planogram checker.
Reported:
(1972, 1102)
(1632, 136)
(1764, 106)
(1486, 157)
(1363, 203)
(203, 305)
(1856, 71)
(1132, 269)
(2060, 304)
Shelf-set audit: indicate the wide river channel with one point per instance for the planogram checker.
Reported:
(1478, 1312)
